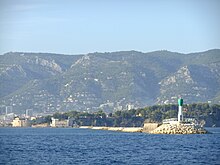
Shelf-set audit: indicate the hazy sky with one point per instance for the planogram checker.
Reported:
(83, 26)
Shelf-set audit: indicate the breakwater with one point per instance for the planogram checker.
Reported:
(121, 129)
(156, 128)
(178, 129)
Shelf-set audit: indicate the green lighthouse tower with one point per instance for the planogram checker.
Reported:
(180, 111)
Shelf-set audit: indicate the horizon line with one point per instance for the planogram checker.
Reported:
(102, 52)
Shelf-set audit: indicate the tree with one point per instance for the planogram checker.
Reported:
(156, 115)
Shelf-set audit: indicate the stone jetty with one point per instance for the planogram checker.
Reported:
(121, 129)
(156, 128)
(178, 129)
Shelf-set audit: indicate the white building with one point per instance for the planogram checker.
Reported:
(58, 123)
(130, 106)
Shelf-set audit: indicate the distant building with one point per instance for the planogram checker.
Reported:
(6, 120)
(8, 109)
(58, 123)
(17, 122)
(28, 113)
(129, 106)
(62, 123)
(33, 118)
(9, 117)
(71, 122)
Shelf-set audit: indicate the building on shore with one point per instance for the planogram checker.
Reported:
(57, 123)
(17, 122)
(61, 123)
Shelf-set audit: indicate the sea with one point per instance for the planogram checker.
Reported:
(98, 147)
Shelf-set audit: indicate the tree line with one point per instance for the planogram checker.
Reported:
(210, 114)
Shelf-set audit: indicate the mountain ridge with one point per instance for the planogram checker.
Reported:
(110, 81)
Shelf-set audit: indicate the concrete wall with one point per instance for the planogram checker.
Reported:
(122, 129)
(148, 127)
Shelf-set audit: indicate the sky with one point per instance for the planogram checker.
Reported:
(86, 26)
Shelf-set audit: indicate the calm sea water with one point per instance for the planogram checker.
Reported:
(84, 146)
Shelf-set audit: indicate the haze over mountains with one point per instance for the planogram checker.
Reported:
(112, 81)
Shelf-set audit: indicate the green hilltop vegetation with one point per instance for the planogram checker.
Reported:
(111, 81)
(206, 114)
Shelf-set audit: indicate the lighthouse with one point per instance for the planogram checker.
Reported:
(180, 111)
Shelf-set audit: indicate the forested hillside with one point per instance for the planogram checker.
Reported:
(48, 83)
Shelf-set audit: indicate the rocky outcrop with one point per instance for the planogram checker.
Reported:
(48, 64)
(178, 129)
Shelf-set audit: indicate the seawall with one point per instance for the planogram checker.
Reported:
(148, 127)
(121, 129)
(156, 128)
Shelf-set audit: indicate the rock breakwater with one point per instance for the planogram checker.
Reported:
(156, 129)
(178, 129)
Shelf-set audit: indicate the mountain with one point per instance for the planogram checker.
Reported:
(48, 83)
